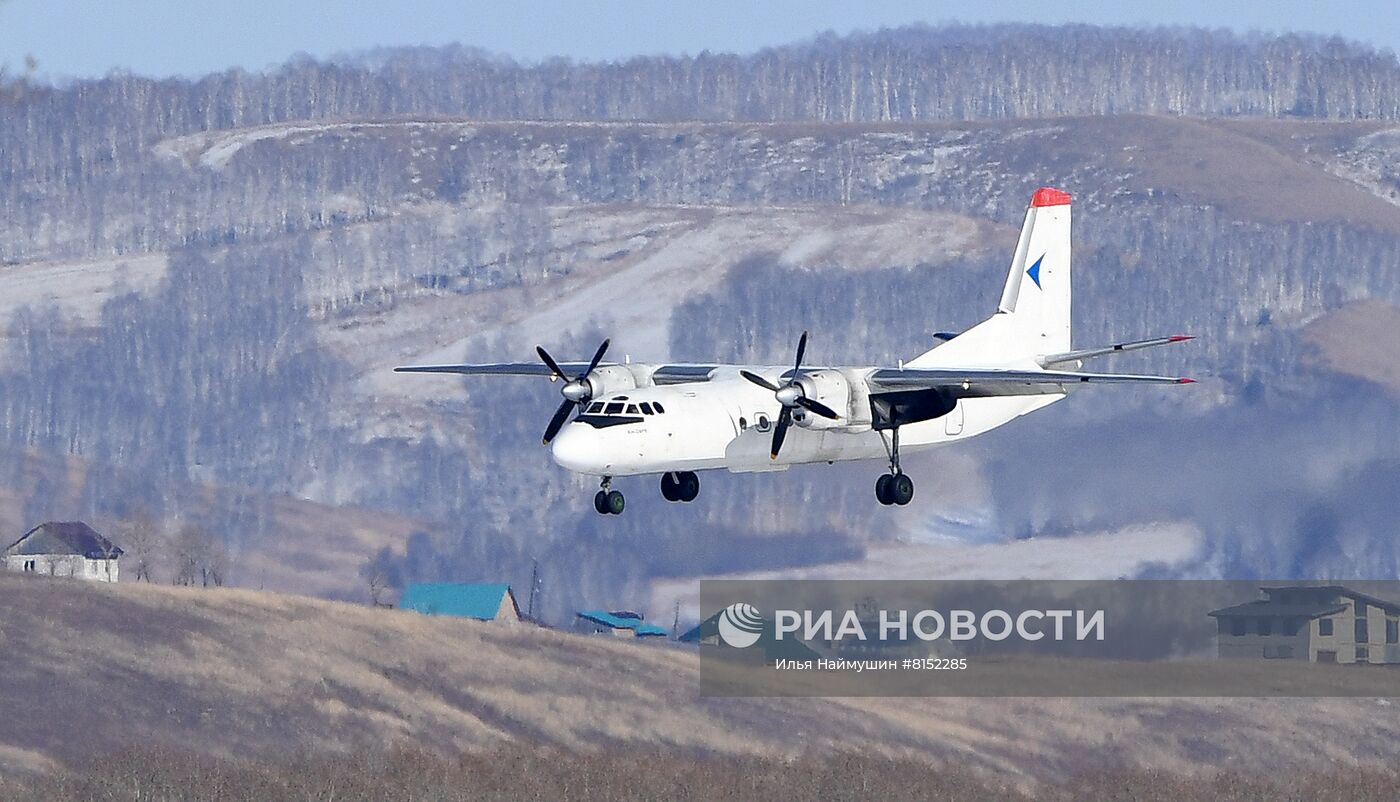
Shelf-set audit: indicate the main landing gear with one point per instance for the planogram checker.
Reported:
(675, 486)
(680, 486)
(894, 487)
(609, 501)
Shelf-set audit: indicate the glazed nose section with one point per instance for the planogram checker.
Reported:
(576, 448)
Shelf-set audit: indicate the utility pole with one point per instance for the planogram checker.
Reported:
(534, 587)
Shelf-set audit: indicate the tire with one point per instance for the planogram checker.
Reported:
(600, 503)
(616, 503)
(902, 489)
(882, 489)
(670, 490)
(689, 487)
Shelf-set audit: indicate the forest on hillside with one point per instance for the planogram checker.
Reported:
(405, 176)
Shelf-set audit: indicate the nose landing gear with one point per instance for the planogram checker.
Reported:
(680, 486)
(608, 501)
(894, 487)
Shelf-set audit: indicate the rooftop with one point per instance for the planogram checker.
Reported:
(65, 537)
(622, 619)
(481, 601)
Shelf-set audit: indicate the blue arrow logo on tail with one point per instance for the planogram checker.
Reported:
(1034, 271)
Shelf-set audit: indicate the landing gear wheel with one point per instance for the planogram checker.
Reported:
(689, 487)
(616, 503)
(670, 489)
(600, 502)
(901, 489)
(882, 489)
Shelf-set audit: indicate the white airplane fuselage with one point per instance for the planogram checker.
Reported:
(727, 423)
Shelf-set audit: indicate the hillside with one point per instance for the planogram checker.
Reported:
(204, 286)
(236, 672)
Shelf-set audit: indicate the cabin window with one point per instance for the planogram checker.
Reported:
(761, 423)
(1392, 631)
(614, 408)
(1361, 631)
(646, 408)
(595, 408)
(1237, 626)
(743, 424)
(29, 565)
(660, 410)
(1363, 654)
(631, 409)
(1266, 626)
(1324, 627)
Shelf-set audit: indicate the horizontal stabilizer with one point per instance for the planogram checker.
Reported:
(1118, 348)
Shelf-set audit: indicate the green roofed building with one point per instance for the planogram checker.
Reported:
(623, 623)
(484, 602)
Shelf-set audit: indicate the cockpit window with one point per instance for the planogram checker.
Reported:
(646, 408)
(660, 410)
(614, 408)
(631, 409)
(595, 408)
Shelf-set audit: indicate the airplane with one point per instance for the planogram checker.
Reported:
(675, 420)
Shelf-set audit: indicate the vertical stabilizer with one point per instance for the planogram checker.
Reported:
(1033, 317)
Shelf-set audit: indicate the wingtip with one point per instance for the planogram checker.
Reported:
(1184, 380)
(1181, 338)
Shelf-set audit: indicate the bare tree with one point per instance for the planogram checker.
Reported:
(200, 558)
(144, 543)
(381, 575)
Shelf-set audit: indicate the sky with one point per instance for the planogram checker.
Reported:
(85, 38)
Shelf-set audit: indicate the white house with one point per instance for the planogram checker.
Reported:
(64, 548)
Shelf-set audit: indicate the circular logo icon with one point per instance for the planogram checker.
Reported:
(740, 625)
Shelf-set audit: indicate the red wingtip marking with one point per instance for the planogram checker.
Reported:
(1185, 381)
(1181, 338)
(1049, 196)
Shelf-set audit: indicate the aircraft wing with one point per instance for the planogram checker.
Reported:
(1002, 381)
(660, 374)
(498, 369)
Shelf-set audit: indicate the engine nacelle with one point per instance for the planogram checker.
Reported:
(610, 379)
(830, 388)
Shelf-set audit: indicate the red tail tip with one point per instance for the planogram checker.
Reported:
(1181, 338)
(1185, 381)
(1049, 196)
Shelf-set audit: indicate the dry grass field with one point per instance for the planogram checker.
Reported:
(92, 672)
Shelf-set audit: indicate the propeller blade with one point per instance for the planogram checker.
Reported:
(557, 422)
(780, 432)
(801, 350)
(759, 380)
(549, 361)
(817, 407)
(597, 357)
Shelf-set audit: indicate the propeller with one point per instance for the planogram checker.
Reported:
(576, 392)
(790, 395)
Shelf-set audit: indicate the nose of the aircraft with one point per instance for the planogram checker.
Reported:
(575, 448)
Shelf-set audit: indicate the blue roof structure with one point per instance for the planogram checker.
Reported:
(622, 620)
(479, 601)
